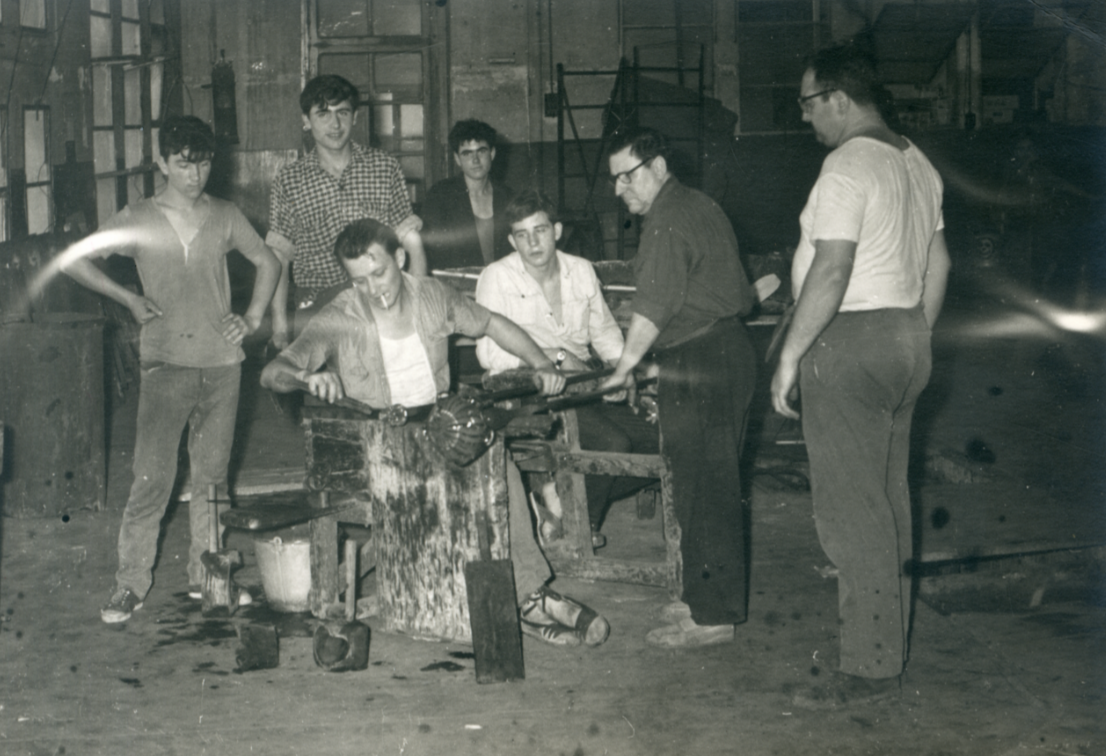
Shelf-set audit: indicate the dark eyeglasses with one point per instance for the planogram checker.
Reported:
(805, 102)
(624, 176)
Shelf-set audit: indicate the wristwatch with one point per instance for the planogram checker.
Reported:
(562, 355)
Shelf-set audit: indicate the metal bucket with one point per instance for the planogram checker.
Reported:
(285, 568)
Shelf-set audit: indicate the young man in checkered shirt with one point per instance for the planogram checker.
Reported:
(314, 198)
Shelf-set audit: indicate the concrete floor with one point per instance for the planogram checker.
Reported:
(1012, 660)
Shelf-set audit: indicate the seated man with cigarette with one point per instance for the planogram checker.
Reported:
(384, 341)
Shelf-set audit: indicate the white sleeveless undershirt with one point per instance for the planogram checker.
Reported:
(410, 377)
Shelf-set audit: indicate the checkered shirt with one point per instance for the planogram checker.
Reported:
(310, 207)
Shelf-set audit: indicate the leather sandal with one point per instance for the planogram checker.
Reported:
(547, 607)
(555, 633)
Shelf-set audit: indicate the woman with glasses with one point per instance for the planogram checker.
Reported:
(463, 222)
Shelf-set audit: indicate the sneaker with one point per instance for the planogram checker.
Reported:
(123, 603)
(546, 607)
(195, 591)
(688, 634)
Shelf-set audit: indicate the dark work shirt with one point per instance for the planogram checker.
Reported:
(449, 230)
(687, 271)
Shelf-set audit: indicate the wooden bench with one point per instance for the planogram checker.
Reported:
(573, 555)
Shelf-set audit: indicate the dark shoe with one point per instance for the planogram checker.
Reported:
(546, 607)
(841, 690)
(123, 603)
(598, 540)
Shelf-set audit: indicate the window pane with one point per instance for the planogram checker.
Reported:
(132, 36)
(101, 96)
(103, 151)
(32, 13)
(383, 119)
(353, 67)
(157, 72)
(101, 6)
(34, 146)
(132, 140)
(412, 166)
(132, 98)
(396, 70)
(410, 120)
(105, 199)
(38, 209)
(3, 147)
(391, 17)
(130, 9)
(343, 18)
(3, 217)
(101, 36)
(412, 145)
(157, 12)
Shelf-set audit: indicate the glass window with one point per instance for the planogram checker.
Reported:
(399, 70)
(396, 18)
(32, 13)
(132, 38)
(37, 165)
(100, 28)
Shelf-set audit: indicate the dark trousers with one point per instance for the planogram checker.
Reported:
(859, 382)
(704, 391)
(613, 428)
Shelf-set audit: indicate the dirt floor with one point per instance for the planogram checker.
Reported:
(1008, 655)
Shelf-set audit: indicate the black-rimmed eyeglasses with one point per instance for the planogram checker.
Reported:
(624, 176)
(805, 101)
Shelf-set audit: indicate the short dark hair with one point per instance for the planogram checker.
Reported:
(188, 136)
(326, 90)
(357, 237)
(846, 68)
(470, 130)
(527, 203)
(644, 143)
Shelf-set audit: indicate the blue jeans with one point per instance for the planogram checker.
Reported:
(859, 383)
(170, 397)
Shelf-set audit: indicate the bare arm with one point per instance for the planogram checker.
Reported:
(822, 294)
(88, 275)
(936, 278)
(639, 338)
(236, 328)
(409, 237)
(284, 250)
(282, 375)
(516, 341)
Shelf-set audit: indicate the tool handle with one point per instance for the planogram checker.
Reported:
(213, 504)
(516, 392)
(482, 535)
(345, 401)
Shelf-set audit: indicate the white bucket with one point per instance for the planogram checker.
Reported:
(285, 572)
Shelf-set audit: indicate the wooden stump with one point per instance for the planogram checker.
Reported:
(422, 515)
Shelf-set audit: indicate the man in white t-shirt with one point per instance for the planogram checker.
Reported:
(869, 279)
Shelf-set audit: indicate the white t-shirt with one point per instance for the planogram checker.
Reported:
(410, 379)
(886, 200)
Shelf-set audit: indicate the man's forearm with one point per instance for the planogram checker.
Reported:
(264, 284)
(936, 278)
(412, 243)
(88, 275)
(823, 291)
(513, 339)
(280, 374)
(640, 337)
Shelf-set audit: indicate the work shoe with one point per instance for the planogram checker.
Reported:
(672, 613)
(841, 689)
(123, 603)
(598, 540)
(195, 591)
(545, 607)
(687, 634)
